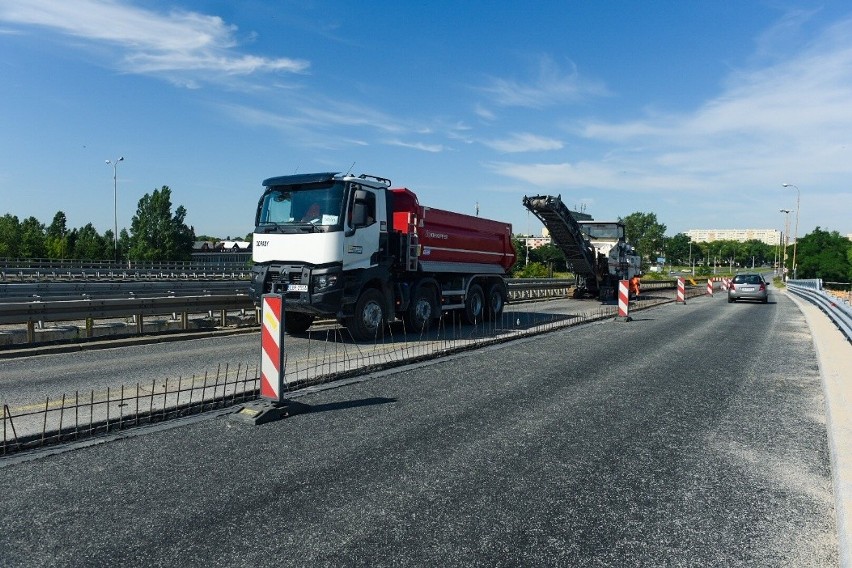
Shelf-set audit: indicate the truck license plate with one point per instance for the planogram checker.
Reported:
(297, 288)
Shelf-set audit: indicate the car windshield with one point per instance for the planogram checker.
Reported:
(315, 205)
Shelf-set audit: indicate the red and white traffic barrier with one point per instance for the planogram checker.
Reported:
(272, 347)
(681, 291)
(624, 300)
(710, 287)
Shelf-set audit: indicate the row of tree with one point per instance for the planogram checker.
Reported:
(156, 234)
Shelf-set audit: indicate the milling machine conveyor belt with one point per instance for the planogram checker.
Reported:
(565, 232)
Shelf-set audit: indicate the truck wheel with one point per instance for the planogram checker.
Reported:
(369, 315)
(474, 304)
(295, 322)
(496, 302)
(421, 310)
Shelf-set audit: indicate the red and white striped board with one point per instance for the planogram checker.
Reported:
(681, 291)
(272, 347)
(624, 300)
(710, 287)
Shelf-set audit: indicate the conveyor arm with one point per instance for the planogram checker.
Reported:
(565, 232)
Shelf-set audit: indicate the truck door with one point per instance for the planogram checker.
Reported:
(365, 219)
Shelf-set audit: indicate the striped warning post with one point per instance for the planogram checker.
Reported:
(710, 287)
(624, 300)
(681, 291)
(272, 347)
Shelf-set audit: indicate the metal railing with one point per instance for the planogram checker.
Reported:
(47, 270)
(839, 312)
(34, 313)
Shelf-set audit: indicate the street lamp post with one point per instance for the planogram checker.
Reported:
(114, 165)
(796, 234)
(785, 244)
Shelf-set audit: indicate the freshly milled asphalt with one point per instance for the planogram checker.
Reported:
(692, 436)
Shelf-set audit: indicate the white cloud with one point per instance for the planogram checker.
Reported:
(524, 142)
(549, 86)
(184, 46)
(433, 148)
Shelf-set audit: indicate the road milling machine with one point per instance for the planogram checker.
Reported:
(595, 251)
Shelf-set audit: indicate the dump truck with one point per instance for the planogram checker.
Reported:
(596, 251)
(357, 250)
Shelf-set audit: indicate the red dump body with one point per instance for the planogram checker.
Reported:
(445, 236)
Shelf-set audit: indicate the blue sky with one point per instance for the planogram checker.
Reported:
(695, 111)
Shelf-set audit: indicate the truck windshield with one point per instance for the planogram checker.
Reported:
(320, 205)
(603, 231)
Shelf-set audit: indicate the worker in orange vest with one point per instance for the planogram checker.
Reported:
(634, 286)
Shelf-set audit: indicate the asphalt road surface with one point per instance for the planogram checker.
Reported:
(692, 436)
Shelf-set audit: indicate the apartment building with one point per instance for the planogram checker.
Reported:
(768, 236)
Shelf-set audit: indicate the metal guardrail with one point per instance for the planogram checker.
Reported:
(98, 308)
(839, 312)
(12, 313)
(47, 270)
(54, 291)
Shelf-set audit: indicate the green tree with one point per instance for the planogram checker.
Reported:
(823, 254)
(156, 234)
(755, 253)
(10, 236)
(849, 258)
(520, 255)
(32, 239)
(123, 244)
(678, 249)
(646, 234)
(532, 270)
(56, 237)
(89, 244)
(550, 256)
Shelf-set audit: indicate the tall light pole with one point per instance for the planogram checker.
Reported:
(786, 243)
(114, 165)
(796, 235)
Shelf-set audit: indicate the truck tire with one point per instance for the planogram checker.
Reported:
(295, 322)
(421, 310)
(496, 301)
(369, 317)
(474, 304)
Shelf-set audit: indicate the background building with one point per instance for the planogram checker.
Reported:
(768, 236)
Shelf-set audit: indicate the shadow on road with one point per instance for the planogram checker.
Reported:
(346, 404)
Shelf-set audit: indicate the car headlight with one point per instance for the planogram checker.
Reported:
(323, 281)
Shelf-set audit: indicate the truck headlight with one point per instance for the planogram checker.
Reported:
(323, 281)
